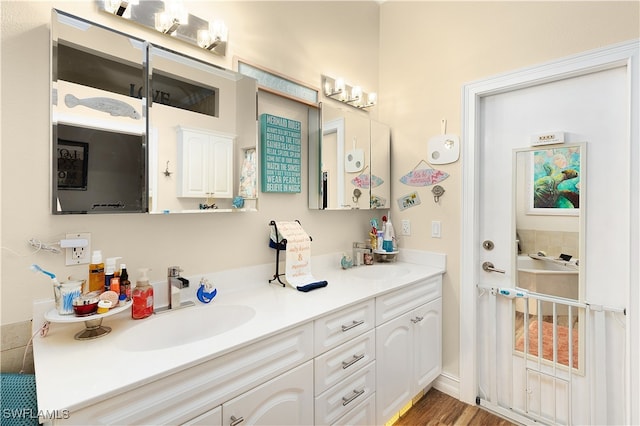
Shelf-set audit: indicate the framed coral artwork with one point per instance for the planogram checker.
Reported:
(555, 180)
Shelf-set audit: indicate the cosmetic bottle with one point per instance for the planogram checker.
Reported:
(125, 284)
(142, 296)
(96, 272)
(109, 273)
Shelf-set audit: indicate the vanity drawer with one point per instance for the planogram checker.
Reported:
(345, 396)
(336, 328)
(400, 301)
(338, 363)
(363, 414)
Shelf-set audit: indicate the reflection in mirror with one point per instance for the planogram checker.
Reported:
(353, 166)
(202, 136)
(98, 125)
(549, 191)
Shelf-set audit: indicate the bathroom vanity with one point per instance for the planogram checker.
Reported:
(353, 352)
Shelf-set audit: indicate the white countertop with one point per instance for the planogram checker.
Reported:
(72, 374)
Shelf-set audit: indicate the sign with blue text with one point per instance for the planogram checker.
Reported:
(280, 154)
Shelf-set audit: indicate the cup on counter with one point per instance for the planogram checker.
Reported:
(64, 294)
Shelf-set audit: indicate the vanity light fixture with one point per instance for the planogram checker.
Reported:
(174, 15)
(335, 88)
(172, 18)
(212, 37)
(120, 7)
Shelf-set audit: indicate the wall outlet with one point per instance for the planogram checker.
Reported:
(78, 255)
(406, 227)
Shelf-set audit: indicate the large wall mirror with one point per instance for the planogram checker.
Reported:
(139, 128)
(202, 136)
(98, 119)
(549, 194)
(353, 162)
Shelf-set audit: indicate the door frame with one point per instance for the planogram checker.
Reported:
(625, 54)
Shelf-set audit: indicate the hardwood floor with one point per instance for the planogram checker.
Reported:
(437, 408)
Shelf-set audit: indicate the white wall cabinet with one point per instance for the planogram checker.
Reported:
(408, 347)
(205, 164)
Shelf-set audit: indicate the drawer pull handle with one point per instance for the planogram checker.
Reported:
(352, 325)
(347, 364)
(236, 421)
(347, 400)
(417, 319)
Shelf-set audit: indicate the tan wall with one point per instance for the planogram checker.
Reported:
(428, 51)
(289, 38)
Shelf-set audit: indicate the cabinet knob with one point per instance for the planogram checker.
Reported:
(417, 320)
(236, 421)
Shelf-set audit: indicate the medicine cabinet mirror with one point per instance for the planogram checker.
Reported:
(98, 125)
(549, 194)
(350, 166)
(202, 136)
(139, 128)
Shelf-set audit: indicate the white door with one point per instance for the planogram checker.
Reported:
(589, 102)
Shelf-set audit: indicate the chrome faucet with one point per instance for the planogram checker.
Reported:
(175, 280)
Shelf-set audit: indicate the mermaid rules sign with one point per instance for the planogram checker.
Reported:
(280, 154)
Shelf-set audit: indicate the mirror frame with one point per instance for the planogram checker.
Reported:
(581, 210)
(246, 127)
(101, 124)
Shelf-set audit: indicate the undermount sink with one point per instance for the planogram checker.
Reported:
(379, 271)
(182, 326)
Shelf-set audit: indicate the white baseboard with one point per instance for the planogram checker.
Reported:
(448, 384)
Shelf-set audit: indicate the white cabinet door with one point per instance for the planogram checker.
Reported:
(428, 344)
(394, 366)
(205, 164)
(221, 174)
(408, 355)
(284, 400)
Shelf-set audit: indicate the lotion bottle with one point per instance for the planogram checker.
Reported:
(96, 272)
(110, 273)
(142, 296)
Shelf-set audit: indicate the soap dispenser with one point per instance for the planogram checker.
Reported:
(142, 296)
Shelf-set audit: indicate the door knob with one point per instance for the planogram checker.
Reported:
(488, 266)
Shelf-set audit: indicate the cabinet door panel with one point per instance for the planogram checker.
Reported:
(394, 358)
(428, 341)
(285, 400)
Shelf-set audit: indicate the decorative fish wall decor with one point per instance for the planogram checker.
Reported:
(112, 106)
(367, 181)
(423, 177)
